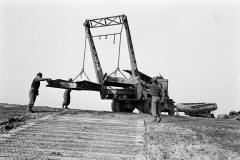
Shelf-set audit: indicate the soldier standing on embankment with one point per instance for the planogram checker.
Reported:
(33, 93)
(157, 98)
(66, 97)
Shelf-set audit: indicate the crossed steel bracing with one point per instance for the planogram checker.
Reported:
(108, 21)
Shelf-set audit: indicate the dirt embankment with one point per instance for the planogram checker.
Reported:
(13, 115)
(193, 138)
(177, 137)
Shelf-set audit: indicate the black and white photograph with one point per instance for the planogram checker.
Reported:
(119, 79)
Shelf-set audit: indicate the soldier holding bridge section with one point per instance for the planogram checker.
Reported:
(33, 93)
(66, 97)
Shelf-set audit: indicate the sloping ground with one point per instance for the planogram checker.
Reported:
(78, 136)
(235, 117)
(193, 138)
(176, 137)
(13, 115)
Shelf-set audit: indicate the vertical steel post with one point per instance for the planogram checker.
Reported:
(130, 47)
(96, 62)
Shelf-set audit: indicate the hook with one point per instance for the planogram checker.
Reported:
(100, 37)
(106, 37)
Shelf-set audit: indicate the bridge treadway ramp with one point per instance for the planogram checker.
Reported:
(74, 137)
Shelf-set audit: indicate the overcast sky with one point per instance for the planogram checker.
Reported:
(194, 44)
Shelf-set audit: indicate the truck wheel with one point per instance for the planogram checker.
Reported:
(147, 106)
(113, 106)
(129, 110)
(128, 107)
(140, 106)
(119, 107)
(171, 112)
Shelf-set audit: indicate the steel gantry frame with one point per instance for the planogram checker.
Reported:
(125, 93)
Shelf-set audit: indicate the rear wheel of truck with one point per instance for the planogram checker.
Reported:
(128, 107)
(113, 106)
(171, 111)
(119, 107)
(147, 106)
(140, 106)
(128, 110)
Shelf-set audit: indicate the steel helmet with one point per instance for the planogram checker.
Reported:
(39, 74)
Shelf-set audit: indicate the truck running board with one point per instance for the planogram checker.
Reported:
(79, 85)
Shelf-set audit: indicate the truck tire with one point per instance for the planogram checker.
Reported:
(113, 106)
(119, 107)
(129, 110)
(147, 106)
(140, 106)
(171, 111)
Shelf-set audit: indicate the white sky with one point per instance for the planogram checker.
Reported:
(194, 44)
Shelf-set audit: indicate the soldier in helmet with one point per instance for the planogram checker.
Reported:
(157, 94)
(66, 97)
(33, 93)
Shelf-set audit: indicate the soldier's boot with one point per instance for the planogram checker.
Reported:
(159, 119)
(155, 119)
(30, 108)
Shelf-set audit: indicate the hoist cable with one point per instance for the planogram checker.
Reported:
(84, 54)
(119, 49)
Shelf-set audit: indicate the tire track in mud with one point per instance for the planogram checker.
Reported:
(74, 137)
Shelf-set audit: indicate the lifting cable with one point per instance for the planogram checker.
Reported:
(82, 71)
(118, 69)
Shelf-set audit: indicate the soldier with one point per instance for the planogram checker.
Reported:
(66, 97)
(157, 98)
(33, 93)
(162, 95)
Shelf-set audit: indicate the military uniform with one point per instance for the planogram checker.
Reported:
(157, 98)
(33, 92)
(66, 98)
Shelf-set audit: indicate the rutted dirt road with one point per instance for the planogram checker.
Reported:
(78, 134)
(74, 136)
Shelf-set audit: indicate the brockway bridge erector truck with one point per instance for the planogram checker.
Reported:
(126, 93)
